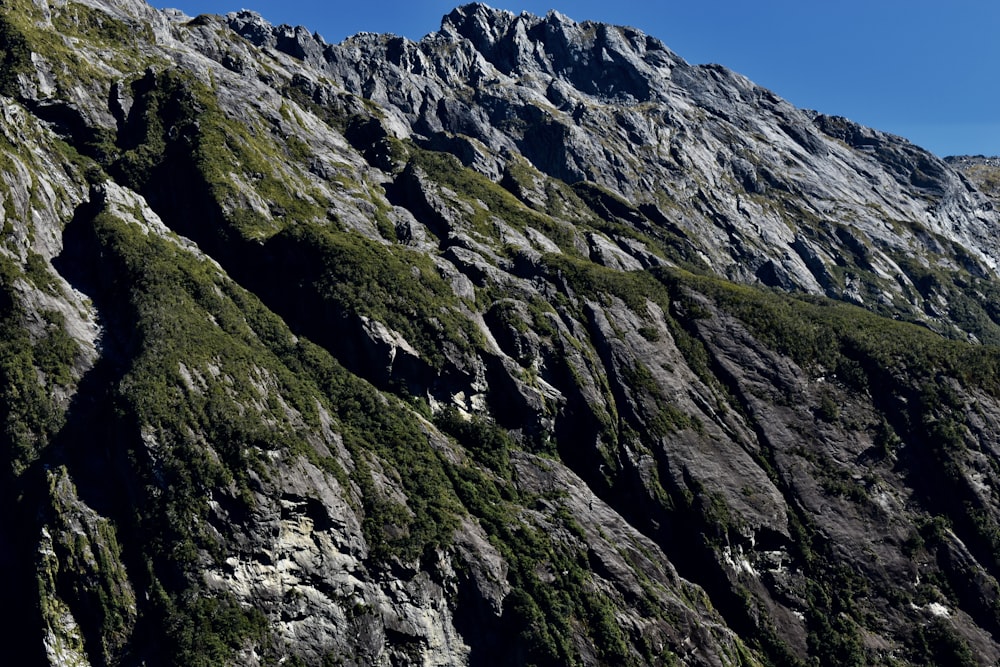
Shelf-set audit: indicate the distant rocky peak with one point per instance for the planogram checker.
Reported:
(251, 26)
(607, 61)
(478, 23)
(297, 41)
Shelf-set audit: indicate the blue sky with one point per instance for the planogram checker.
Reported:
(926, 70)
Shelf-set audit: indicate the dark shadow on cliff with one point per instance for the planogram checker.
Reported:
(21, 632)
(88, 441)
(98, 440)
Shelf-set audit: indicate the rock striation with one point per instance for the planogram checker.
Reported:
(526, 343)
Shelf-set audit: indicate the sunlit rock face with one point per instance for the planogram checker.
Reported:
(526, 343)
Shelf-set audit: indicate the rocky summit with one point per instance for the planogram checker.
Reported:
(528, 343)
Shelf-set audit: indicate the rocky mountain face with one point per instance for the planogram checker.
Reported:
(983, 172)
(527, 343)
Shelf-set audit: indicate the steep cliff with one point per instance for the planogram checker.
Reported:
(527, 343)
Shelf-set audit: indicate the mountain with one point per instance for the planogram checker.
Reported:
(527, 343)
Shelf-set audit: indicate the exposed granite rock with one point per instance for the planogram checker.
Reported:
(508, 346)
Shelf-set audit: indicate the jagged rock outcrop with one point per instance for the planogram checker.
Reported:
(526, 343)
(981, 171)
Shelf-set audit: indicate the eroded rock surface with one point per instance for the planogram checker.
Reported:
(526, 343)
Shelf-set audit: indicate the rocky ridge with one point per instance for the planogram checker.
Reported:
(527, 343)
(983, 172)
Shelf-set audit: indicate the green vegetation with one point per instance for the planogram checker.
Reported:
(80, 31)
(597, 282)
(204, 631)
(209, 366)
(487, 198)
(552, 596)
(394, 285)
(97, 27)
(969, 301)
(56, 351)
(937, 644)
(243, 355)
(206, 387)
(86, 567)
(346, 271)
(489, 444)
(36, 270)
(845, 339)
(859, 351)
(176, 129)
(15, 56)
(224, 147)
(28, 413)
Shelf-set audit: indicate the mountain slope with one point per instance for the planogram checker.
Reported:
(527, 343)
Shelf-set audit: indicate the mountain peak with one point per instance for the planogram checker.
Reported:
(480, 24)
(525, 343)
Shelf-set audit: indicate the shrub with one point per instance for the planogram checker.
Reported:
(15, 57)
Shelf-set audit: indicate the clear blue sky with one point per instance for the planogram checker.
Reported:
(928, 70)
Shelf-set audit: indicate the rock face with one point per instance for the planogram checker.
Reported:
(983, 172)
(527, 343)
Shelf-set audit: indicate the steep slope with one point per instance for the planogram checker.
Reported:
(984, 172)
(527, 343)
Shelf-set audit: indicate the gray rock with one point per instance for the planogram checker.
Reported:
(572, 442)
